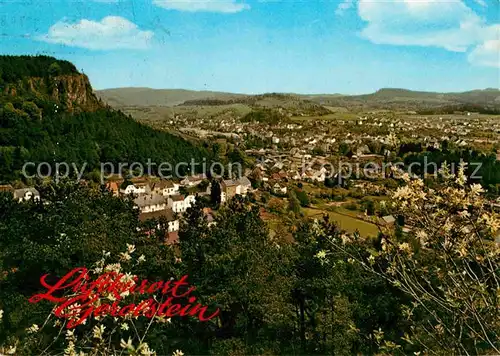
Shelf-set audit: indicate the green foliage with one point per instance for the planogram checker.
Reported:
(267, 116)
(54, 70)
(369, 206)
(236, 265)
(69, 228)
(482, 168)
(215, 193)
(91, 138)
(14, 68)
(293, 202)
(338, 303)
(302, 197)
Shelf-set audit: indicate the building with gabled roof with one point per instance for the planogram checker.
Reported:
(150, 202)
(26, 194)
(167, 214)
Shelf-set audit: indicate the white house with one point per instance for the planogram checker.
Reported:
(137, 188)
(194, 180)
(189, 201)
(166, 188)
(245, 185)
(179, 203)
(176, 203)
(171, 189)
(320, 175)
(173, 222)
(168, 214)
(230, 188)
(279, 189)
(150, 203)
(26, 194)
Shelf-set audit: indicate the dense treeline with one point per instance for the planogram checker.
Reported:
(14, 68)
(92, 138)
(268, 116)
(482, 167)
(486, 109)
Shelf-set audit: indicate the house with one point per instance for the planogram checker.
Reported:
(194, 180)
(319, 175)
(172, 238)
(179, 204)
(189, 201)
(209, 216)
(275, 176)
(6, 188)
(113, 187)
(388, 220)
(26, 194)
(277, 189)
(171, 188)
(245, 185)
(167, 214)
(176, 203)
(150, 203)
(136, 188)
(229, 188)
(166, 188)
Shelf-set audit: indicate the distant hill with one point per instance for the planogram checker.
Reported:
(402, 99)
(487, 100)
(157, 97)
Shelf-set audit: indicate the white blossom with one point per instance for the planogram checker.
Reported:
(125, 256)
(130, 248)
(98, 331)
(476, 189)
(33, 329)
(114, 267)
(127, 345)
(321, 254)
(11, 350)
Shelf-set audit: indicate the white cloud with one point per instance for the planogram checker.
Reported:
(112, 32)
(344, 6)
(487, 54)
(450, 25)
(222, 6)
(481, 3)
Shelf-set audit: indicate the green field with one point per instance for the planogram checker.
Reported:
(347, 223)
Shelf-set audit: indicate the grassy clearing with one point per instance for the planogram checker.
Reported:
(347, 223)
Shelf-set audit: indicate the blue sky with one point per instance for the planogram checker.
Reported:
(255, 46)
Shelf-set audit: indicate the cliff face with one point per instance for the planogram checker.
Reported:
(72, 91)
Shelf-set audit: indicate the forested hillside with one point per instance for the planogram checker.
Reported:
(14, 68)
(39, 124)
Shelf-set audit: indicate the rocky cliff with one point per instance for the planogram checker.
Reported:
(72, 91)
